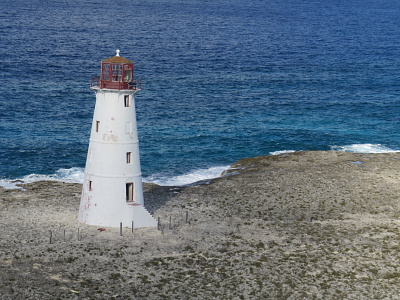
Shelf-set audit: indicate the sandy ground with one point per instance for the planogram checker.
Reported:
(305, 225)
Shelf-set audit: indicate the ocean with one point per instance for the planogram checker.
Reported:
(222, 80)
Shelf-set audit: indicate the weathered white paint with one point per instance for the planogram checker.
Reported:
(107, 172)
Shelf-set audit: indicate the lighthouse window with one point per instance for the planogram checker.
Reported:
(106, 75)
(128, 157)
(90, 185)
(127, 101)
(129, 191)
(97, 126)
(116, 72)
(106, 72)
(128, 76)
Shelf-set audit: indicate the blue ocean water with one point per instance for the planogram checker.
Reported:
(222, 80)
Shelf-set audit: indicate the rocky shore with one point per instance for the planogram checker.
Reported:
(303, 225)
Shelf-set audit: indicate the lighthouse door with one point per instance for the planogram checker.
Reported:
(129, 192)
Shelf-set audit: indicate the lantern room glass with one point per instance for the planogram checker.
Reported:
(128, 76)
(116, 72)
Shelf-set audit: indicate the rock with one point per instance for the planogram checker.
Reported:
(249, 232)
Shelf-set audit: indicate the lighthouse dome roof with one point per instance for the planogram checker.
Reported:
(118, 59)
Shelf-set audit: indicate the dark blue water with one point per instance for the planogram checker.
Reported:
(222, 80)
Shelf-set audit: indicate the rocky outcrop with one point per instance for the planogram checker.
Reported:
(304, 225)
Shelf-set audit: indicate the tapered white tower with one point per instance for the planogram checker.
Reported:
(112, 189)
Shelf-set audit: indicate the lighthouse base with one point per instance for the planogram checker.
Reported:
(135, 215)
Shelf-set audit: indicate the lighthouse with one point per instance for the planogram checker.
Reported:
(112, 190)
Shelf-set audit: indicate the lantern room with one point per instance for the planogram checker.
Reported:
(116, 74)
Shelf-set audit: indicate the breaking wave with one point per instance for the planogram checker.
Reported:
(364, 148)
(72, 175)
(76, 175)
(188, 178)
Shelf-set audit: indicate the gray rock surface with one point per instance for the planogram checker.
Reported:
(304, 225)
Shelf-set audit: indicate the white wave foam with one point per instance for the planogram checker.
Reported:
(281, 152)
(8, 184)
(72, 175)
(364, 148)
(189, 178)
(76, 175)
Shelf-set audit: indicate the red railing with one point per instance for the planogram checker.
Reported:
(115, 85)
(95, 81)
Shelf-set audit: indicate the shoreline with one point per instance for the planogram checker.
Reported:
(312, 224)
(76, 174)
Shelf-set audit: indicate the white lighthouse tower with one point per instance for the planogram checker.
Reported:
(112, 189)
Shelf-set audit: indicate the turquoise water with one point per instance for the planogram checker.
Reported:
(222, 80)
